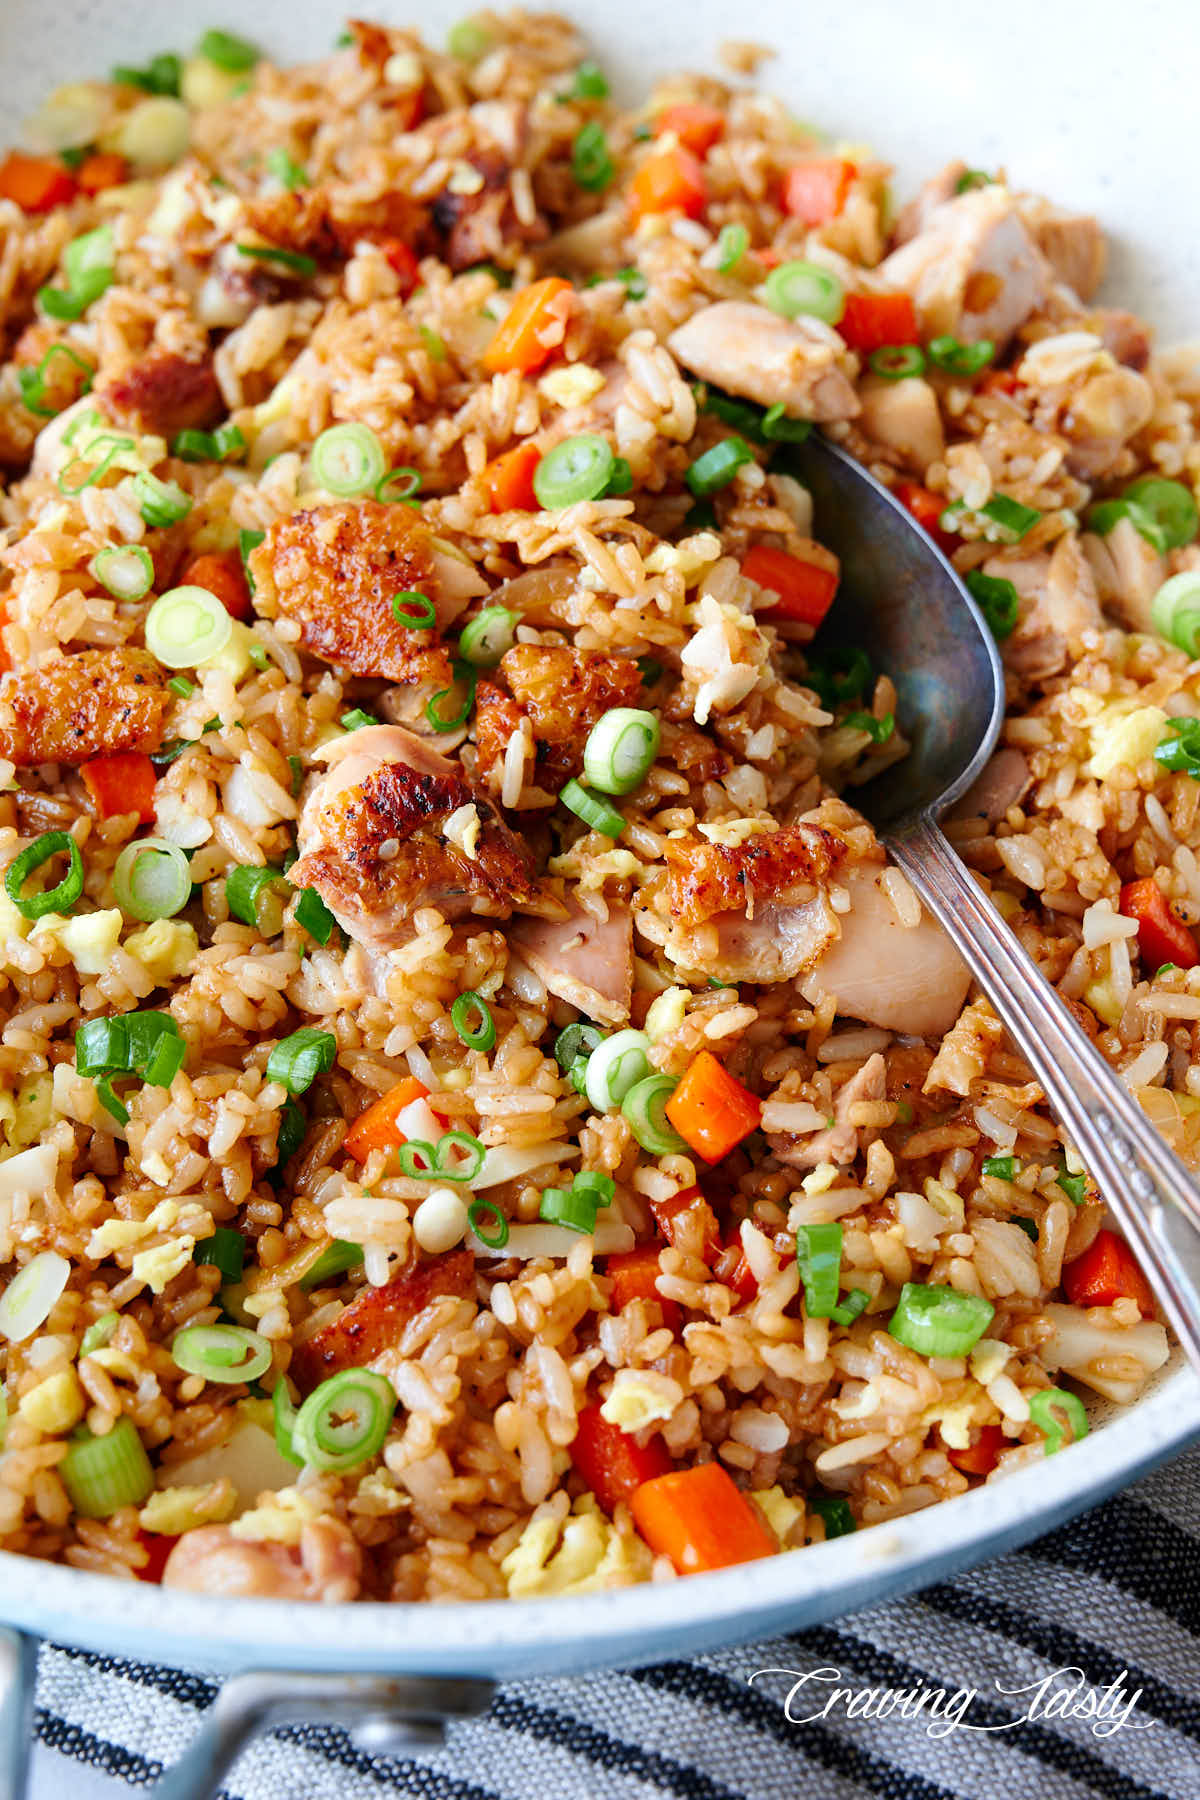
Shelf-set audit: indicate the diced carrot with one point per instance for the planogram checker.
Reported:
(997, 381)
(221, 572)
(376, 1128)
(36, 183)
(768, 256)
(697, 127)
(533, 327)
(872, 320)
(121, 783)
(980, 1457)
(508, 479)
(740, 1276)
(805, 589)
(1162, 938)
(1107, 1271)
(100, 171)
(687, 1219)
(700, 1520)
(613, 1463)
(634, 1276)
(711, 1110)
(926, 508)
(400, 257)
(815, 192)
(669, 181)
(158, 1546)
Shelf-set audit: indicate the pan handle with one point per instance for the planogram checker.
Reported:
(385, 1715)
(18, 1676)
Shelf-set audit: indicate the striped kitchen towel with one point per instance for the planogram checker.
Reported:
(1068, 1671)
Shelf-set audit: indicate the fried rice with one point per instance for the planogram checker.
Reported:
(352, 242)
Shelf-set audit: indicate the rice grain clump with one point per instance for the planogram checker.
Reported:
(478, 1113)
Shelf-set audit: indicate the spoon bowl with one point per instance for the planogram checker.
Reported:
(901, 600)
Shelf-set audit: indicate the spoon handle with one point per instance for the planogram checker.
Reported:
(1142, 1179)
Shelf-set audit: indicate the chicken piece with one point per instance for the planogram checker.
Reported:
(91, 704)
(692, 752)
(1060, 593)
(751, 351)
(903, 417)
(326, 222)
(375, 1320)
(839, 1144)
(755, 911)
(901, 978)
(584, 960)
(1111, 407)
(337, 569)
(914, 215)
(1127, 572)
(373, 840)
(1004, 782)
(485, 226)
(1072, 243)
(974, 271)
(1123, 335)
(325, 1565)
(164, 393)
(562, 692)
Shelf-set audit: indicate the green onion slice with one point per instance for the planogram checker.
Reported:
(55, 899)
(256, 897)
(577, 469)
(348, 460)
(1175, 611)
(292, 1126)
(30, 1296)
(103, 1474)
(468, 40)
(125, 570)
(286, 171)
(1044, 1408)
(161, 75)
(1170, 505)
(566, 1206)
(296, 1061)
(591, 164)
(287, 259)
(957, 358)
(878, 730)
(233, 54)
(732, 244)
(778, 427)
(594, 812)
(819, 1254)
(476, 1037)
(644, 1109)
(1014, 519)
(621, 748)
(221, 1353)
(416, 612)
(248, 541)
(838, 1519)
(574, 1041)
(590, 82)
(796, 288)
(939, 1321)
(1000, 1168)
(487, 1209)
(224, 1250)
(32, 382)
(116, 446)
(161, 502)
(337, 1257)
(615, 1066)
(314, 916)
(152, 880)
(1181, 751)
(99, 1334)
(283, 1417)
(1073, 1186)
(597, 1183)
(357, 719)
(487, 636)
(344, 1421)
(186, 626)
(841, 674)
(997, 600)
(398, 486)
(718, 466)
(895, 362)
(852, 1307)
(422, 1161)
(465, 678)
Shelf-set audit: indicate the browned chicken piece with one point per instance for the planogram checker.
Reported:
(902, 978)
(562, 692)
(326, 222)
(584, 960)
(1060, 593)
(755, 911)
(164, 393)
(751, 351)
(1126, 571)
(973, 270)
(839, 1144)
(325, 1565)
(372, 840)
(337, 569)
(686, 748)
(903, 417)
(483, 226)
(92, 704)
(377, 1317)
(1072, 243)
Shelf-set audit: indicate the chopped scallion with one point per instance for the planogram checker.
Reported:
(344, 1421)
(221, 1353)
(348, 460)
(997, 599)
(224, 1250)
(591, 164)
(797, 288)
(1044, 1410)
(644, 1110)
(595, 813)
(187, 626)
(56, 899)
(314, 916)
(286, 259)
(577, 469)
(620, 749)
(125, 570)
(487, 636)
(939, 1321)
(717, 467)
(819, 1255)
(296, 1061)
(103, 1474)
(152, 880)
(476, 1037)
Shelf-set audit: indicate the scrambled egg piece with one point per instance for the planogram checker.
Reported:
(988, 1359)
(1104, 1000)
(118, 1234)
(174, 1510)
(1122, 737)
(582, 1556)
(665, 1013)
(735, 831)
(28, 1113)
(55, 1405)
(821, 1179)
(779, 1509)
(954, 1420)
(572, 385)
(166, 949)
(234, 658)
(640, 1397)
(692, 558)
(279, 1518)
(161, 1265)
(89, 940)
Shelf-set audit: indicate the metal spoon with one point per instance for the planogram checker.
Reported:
(902, 601)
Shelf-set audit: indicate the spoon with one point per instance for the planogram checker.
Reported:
(901, 598)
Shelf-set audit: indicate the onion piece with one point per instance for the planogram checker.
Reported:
(610, 1238)
(29, 1298)
(504, 1162)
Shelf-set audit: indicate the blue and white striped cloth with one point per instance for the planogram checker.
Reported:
(1115, 1595)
